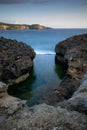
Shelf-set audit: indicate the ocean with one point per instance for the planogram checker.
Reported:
(46, 74)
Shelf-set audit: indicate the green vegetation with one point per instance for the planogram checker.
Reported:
(7, 26)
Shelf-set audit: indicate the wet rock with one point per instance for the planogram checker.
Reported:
(16, 60)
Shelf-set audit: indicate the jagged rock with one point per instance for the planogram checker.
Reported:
(16, 60)
(78, 102)
(73, 52)
(44, 117)
(16, 115)
(68, 115)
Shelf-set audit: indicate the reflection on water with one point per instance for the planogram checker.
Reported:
(45, 75)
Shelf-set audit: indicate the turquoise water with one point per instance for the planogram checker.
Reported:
(45, 74)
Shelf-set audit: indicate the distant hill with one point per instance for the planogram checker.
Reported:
(7, 26)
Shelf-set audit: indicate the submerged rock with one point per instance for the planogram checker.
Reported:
(16, 60)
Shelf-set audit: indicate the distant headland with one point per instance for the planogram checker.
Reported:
(7, 26)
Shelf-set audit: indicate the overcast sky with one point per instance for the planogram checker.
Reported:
(52, 13)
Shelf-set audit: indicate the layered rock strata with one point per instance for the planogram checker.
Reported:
(16, 61)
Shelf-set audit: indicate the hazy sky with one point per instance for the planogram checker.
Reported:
(52, 13)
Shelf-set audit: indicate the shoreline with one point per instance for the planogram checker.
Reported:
(70, 111)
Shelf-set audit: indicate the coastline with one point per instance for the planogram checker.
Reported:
(70, 111)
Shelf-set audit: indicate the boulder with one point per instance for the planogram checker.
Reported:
(16, 60)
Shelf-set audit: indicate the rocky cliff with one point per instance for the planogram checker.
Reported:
(73, 52)
(16, 61)
(68, 114)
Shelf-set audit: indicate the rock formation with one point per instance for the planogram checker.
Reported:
(68, 114)
(16, 115)
(78, 102)
(73, 52)
(16, 60)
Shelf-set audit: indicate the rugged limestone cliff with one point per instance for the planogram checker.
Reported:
(70, 113)
(16, 61)
(73, 52)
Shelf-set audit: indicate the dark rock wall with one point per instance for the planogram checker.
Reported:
(16, 59)
(73, 52)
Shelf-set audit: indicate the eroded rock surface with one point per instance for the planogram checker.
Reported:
(69, 114)
(18, 116)
(78, 101)
(16, 60)
(73, 52)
